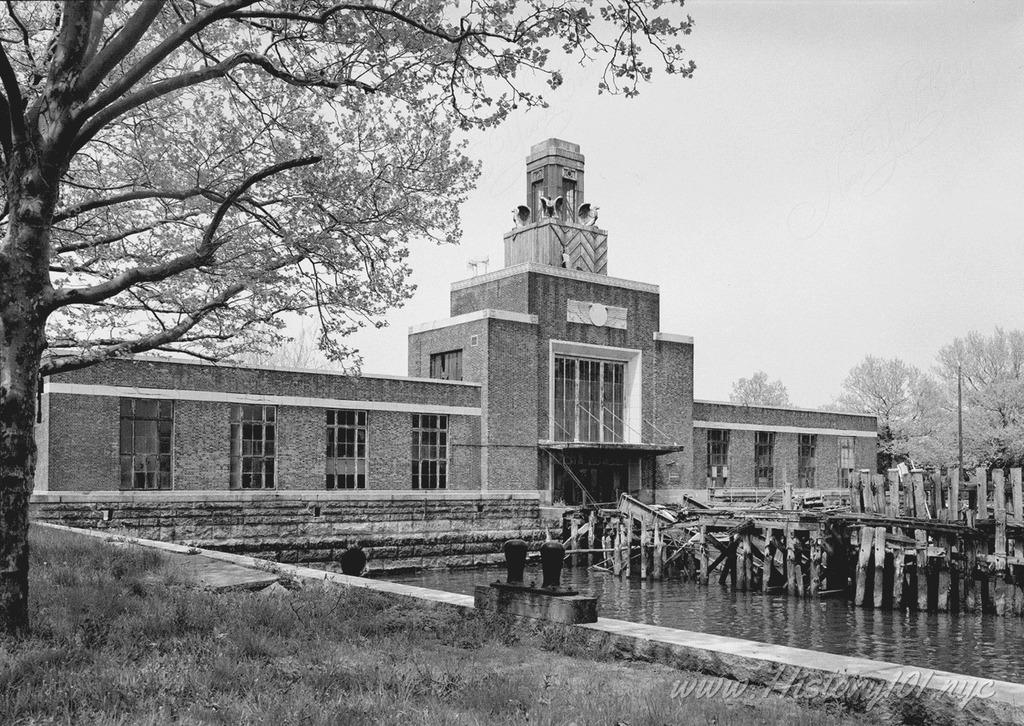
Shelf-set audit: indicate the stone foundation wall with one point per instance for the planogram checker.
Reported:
(398, 531)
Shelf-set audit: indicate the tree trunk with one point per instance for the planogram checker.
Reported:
(24, 295)
(19, 375)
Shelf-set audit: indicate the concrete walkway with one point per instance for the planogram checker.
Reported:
(220, 576)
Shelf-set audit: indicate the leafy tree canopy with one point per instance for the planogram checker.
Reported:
(759, 391)
(215, 165)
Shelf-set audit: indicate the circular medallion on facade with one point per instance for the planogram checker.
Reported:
(598, 314)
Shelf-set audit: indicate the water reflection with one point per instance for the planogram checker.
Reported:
(977, 645)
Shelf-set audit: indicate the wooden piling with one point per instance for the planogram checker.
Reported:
(899, 557)
(592, 520)
(981, 475)
(627, 543)
(617, 550)
(643, 549)
(703, 554)
(893, 478)
(815, 562)
(879, 587)
(945, 579)
(574, 541)
(742, 549)
(971, 600)
(878, 489)
(657, 566)
(867, 535)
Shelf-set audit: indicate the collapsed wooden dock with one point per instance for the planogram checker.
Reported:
(925, 541)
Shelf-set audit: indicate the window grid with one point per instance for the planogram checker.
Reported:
(717, 455)
(764, 452)
(146, 430)
(446, 366)
(589, 400)
(847, 460)
(429, 451)
(807, 445)
(346, 449)
(253, 446)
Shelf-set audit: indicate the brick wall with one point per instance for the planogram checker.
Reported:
(672, 415)
(786, 454)
(84, 428)
(403, 531)
(144, 373)
(84, 450)
(803, 418)
(512, 405)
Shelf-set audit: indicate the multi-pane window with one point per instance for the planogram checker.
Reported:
(346, 449)
(589, 400)
(805, 450)
(146, 429)
(847, 460)
(764, 454)
(447, 365)
(718, 456)
(253, 445)
(429, 451)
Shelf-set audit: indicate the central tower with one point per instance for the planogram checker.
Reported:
(557, 226)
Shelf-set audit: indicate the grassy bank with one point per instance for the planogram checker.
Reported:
(119, 638)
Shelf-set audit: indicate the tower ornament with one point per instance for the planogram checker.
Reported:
(551, 208)
(587, 214)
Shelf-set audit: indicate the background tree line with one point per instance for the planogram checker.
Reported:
(917, 409)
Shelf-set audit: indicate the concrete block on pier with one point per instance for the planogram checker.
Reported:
(567, 609)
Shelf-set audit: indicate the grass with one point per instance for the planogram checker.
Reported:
(120, 638)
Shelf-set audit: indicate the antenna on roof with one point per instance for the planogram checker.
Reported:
(476, 263)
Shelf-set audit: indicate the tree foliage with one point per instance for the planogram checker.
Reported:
(909, 404)
(179, 174)
(759, 391)
(993, 394)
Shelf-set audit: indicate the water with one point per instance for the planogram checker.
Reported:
(978, 645)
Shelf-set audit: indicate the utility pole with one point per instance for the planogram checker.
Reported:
(960, 422)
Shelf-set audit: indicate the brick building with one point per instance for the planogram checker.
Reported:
(551, 381)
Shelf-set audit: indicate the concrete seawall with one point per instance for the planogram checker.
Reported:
(885, 691)
(399, 530)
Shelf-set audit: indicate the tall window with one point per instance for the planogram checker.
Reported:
(718, 457)
(847, 460)
(446, 366)
(589, 400)
(253, 447)
(429, 451)
(146, 429)
(806, 445)
(346, 449)
(764, 454)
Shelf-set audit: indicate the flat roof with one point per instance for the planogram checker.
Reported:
(783, 408)
(282, 369)
(591, 277)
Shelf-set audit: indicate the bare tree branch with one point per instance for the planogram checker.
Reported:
(153, 273)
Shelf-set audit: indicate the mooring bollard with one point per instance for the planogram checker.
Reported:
(515, 560)
(550, 601)
(552, 555)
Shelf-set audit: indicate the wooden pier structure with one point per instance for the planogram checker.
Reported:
(923, 541)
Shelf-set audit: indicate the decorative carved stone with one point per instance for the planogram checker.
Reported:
(592, 313)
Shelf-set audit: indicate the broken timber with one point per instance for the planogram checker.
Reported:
(921, 541)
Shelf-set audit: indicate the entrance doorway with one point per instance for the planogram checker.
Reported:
(603, 478)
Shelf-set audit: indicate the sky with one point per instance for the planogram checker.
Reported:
(838, 179)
